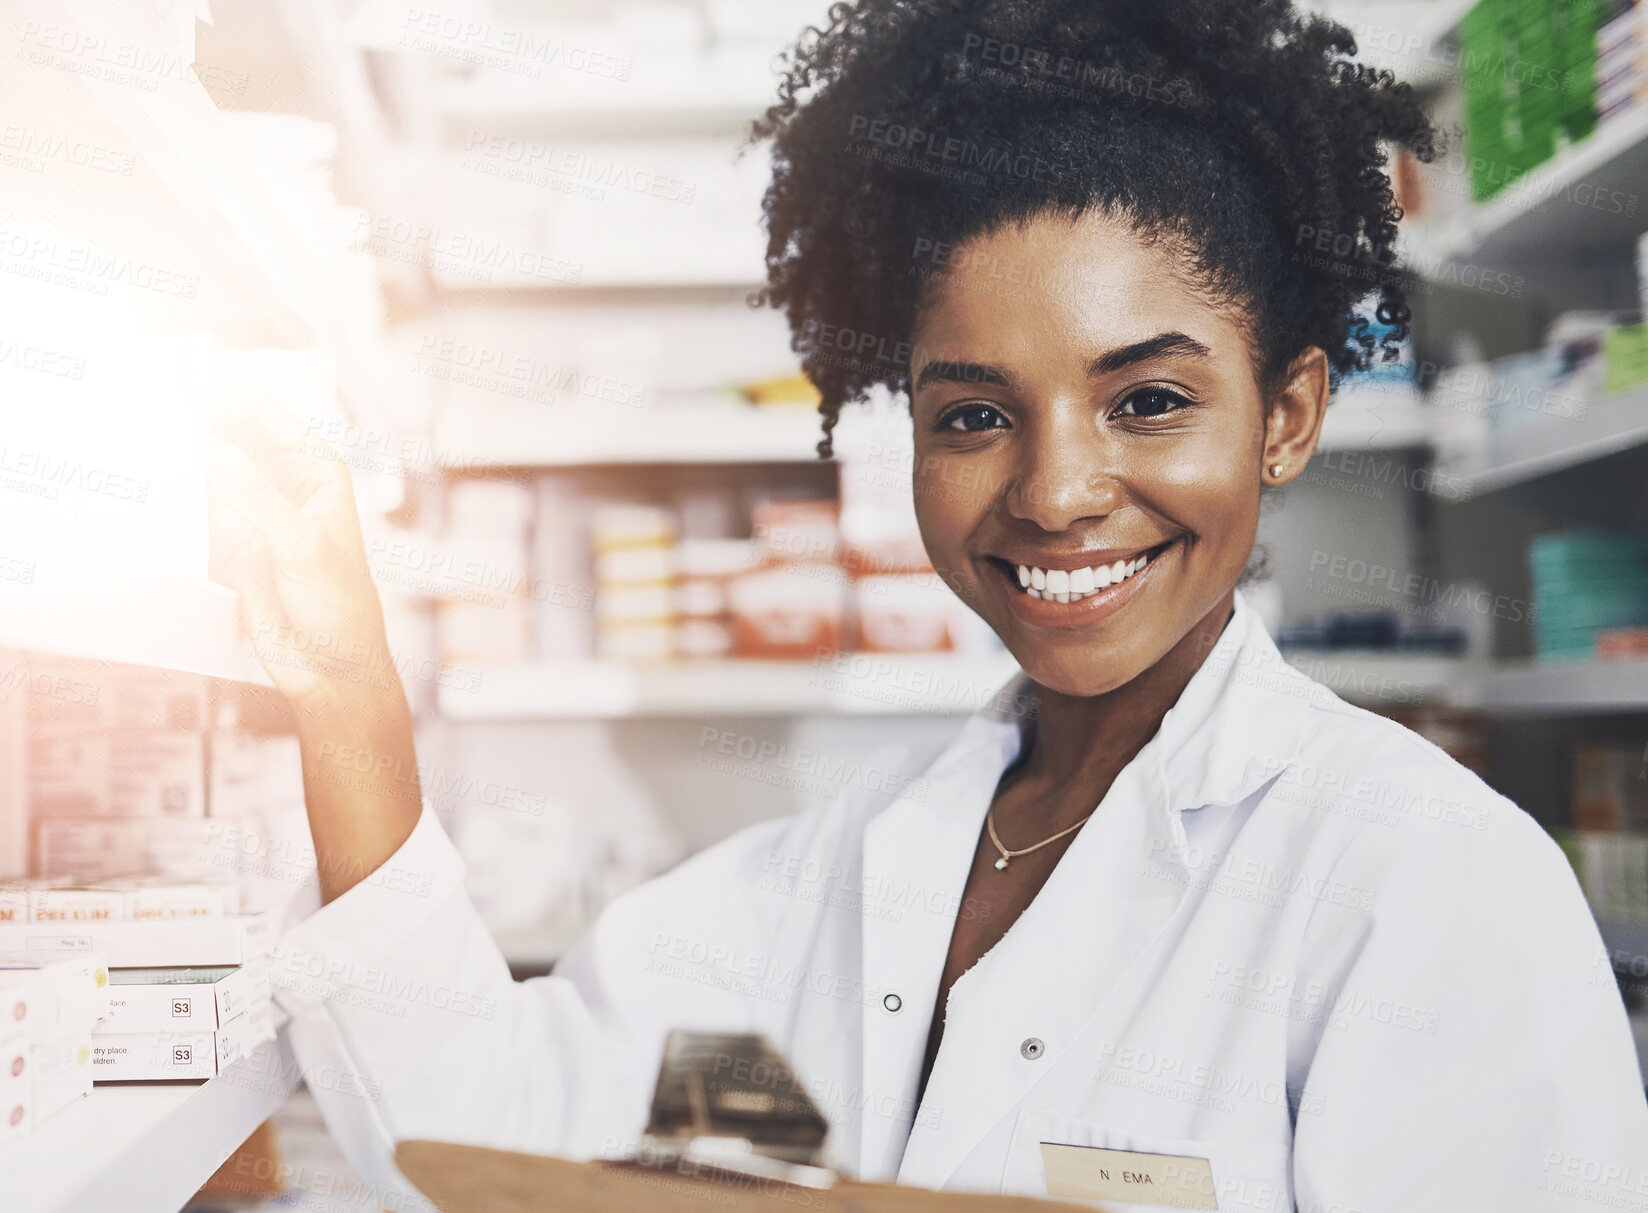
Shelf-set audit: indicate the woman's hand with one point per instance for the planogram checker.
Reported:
(286, 535)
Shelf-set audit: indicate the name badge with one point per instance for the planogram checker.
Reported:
(1126, 1175)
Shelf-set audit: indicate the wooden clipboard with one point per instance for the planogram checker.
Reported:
(472, 1179)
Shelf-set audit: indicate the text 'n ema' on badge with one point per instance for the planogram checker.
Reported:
(1170, 1180)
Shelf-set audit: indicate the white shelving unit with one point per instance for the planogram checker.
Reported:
(874, 684)
(1381, 679)
(146, 1145)
(709, 432)
(1558, 688)
(854, 684)
(1611, 424)
(1587, 194)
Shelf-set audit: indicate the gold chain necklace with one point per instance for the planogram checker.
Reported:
(1006, 855)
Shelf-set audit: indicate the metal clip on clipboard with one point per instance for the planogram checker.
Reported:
(729, 1103)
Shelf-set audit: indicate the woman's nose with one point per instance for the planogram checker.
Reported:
(1067, 473)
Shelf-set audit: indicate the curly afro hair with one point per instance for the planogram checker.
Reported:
(1240, 131)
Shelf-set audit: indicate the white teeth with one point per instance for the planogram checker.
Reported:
(1072, 585)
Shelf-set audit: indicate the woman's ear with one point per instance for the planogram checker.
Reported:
(1293, 422)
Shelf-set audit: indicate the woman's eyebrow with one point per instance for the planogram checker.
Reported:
(945, 370)
(949, 370)
(1150, 347)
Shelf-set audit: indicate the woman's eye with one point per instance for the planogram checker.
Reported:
(971, 418)
(1151, 402)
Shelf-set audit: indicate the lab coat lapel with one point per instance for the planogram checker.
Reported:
(1052, 973)
(917, 853)
(1234, 727)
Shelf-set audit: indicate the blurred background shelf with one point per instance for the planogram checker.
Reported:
(852, 684)
(146, 1146)
(1611, 424)
(710, 432)
(1588, 195)
(1380, 678)
(1558, 688)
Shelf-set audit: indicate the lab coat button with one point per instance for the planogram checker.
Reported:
(1032, 1048)
(893, 1003)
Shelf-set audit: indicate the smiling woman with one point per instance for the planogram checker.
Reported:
(1168, 915)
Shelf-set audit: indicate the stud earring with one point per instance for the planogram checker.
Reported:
(1276, 470)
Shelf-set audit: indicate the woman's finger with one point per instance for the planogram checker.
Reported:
(282, 446)
(240, 486)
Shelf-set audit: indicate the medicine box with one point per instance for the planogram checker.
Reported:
(147, 773)
(147, 897)
(16, 1110)
(165, 1000)
(14, 904)
(100, 847)
(76, 904)
(151, 1056)
(96, 695)
(231, 940)
(62, 1070)
(14, 1063)
(41, 994)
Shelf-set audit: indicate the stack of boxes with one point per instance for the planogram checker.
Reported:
(635, 583)
(483, 608)
(1586, 584)
(1622, 61)
(116, 767)
(182, 976)
(1608, 841)
(793, 603)
(49, 1009)
(1529, 73)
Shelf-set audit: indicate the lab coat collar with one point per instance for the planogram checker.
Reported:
(1226, 736)
(1237, 724)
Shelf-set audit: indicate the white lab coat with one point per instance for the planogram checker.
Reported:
(1295, 939)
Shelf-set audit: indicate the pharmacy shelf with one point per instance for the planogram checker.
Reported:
(721, 98)
(1371, 419)
(851, 684)
(1610, 425)
(1380, 679)
(716, 432)
(170, 623)
(143, 1146)
(871, 684)
(1585, 196)
(1556, 688)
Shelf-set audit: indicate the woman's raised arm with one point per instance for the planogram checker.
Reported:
(286, 535)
